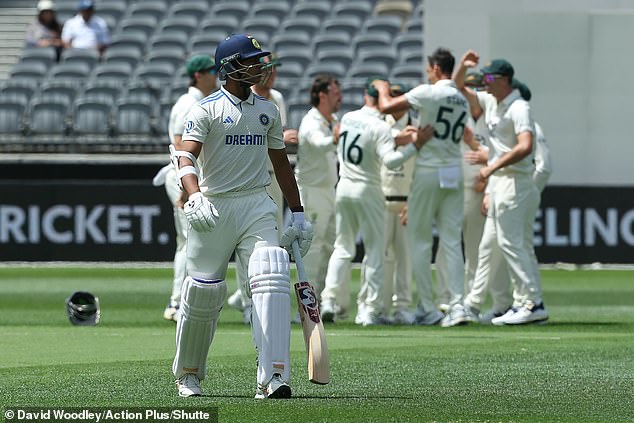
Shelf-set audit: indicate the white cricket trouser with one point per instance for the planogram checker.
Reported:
(426, 202)
(180, 225)
(397, 265)
(358, 207)
(319, 209)
(513, 203)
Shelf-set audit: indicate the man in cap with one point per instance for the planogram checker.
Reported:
(222, 165)
(436, 193)
(85, 29)
(365, 141)
(202, 71)
(513, 196)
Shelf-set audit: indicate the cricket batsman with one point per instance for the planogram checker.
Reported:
(222, 165)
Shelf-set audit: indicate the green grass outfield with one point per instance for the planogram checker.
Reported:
(577, 368)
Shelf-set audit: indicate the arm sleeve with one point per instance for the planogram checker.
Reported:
(197, 125)
(521, 116)
(543, 162)
(417, 95)
(386, 149)
(318, 136)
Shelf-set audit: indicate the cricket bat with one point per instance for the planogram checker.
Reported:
(313, 328)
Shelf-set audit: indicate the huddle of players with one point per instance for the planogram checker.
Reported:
(475, 171)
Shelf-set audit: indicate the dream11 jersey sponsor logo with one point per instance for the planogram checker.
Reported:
(79, 224)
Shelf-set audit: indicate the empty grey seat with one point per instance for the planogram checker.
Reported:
(386, 55)
(91, 115)
(386, 24)
(185, 24)
(407, 70)
(60, 88)
(44, 55)
(408, 41)
(237, 9)
(153, 8)
(133, 39)
(366, 70)
(153, 72)
(356, 9)
(301, 56)
(141, 90)
(414, 56)
(277, 9)
(189, 8)
(78, 71)
(118, 71)
(18, 89)
(318, 9)
(86, 56)
(114, 9)
(308, 24)
(123, 54)
(290, 70)
(372, 42)
(336, 69)
(297, 108)
(414, 24)
(11, 115)
(48, 116)
(352, 90)
(206, 42)
(133, 116)
(261, 25)
(34, 71)
(331, 40)
(350, 24)
(173, 57)
(106, 91)
(341, 56)
(288, 40)
(144, 24)
(225, 24)
(168, 40)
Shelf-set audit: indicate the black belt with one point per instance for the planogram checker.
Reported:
(396, 198)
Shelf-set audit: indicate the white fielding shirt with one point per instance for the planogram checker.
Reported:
(82, 34)
(179, 111)
(543, 162)
(365, 141)
(236, 136)
(505, 122)
(443, 106)
(397, 182)
(317, 153)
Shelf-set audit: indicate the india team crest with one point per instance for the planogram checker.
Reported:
(264, 119)
(256, 44)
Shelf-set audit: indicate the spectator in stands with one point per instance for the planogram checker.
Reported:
(46, 30)
(85, 29)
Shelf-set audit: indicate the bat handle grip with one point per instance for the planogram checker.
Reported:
(301, 274)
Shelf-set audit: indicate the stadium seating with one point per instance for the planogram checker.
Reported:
(152, 39)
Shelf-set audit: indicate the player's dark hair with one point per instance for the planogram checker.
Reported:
(321, 84)
(444, 59)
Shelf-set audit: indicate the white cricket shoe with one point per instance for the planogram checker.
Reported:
(533, 314)
(428, 318)
(486, 318)
(456, 315)
(188, 385)
(171, 312)
(235, 300)
(403, 317)
(361, 314)
(373, 319)
(501, 320)
(276, 388)
(327, 308)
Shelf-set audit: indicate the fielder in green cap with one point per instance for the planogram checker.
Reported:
(200, 63)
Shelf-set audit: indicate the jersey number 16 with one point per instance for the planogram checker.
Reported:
(351, 153)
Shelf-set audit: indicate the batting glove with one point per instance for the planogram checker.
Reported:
(300, 230)
(200, 213)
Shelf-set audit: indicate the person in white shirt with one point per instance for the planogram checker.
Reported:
(316, 172)
(202, 71)
(365, 141)
(436, 192)
(222, 165)
(513, 196)
(239, 299)
(85, 29)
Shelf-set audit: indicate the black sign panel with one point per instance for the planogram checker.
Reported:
(114, 220)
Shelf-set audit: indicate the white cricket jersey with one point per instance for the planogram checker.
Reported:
(470, 173)
(365, 140)
(179, 111)
(443, 106)
(278, 99)
(543, 162)
(396, 182)
(236, 136)
(505, 121)
(316, 153)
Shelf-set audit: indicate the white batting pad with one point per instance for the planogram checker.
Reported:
(270, 283)
(201, 303)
